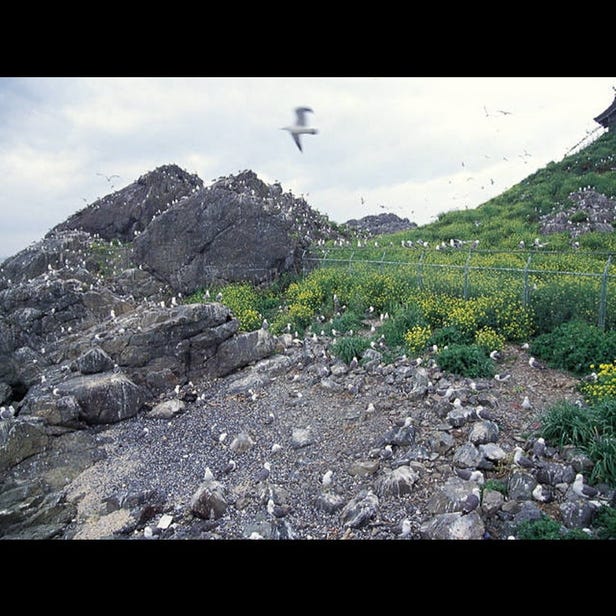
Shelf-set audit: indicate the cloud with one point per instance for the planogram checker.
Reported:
(398, 142)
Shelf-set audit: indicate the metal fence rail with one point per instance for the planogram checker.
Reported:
(528, 275)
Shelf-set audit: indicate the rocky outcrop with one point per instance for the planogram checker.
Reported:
(127, 212)
(380, 224)
(239, 228)
(591, 211)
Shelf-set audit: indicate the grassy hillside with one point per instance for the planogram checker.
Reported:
(514, 215)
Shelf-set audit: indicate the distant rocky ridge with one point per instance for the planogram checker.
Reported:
(380, 224)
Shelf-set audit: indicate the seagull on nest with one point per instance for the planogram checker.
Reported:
(300, 128)
(582, 489)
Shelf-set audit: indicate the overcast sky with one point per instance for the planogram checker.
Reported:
(414, 146)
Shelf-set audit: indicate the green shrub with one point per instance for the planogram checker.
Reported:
(395, 328)
(605, 522)
(466, 360)
(574, 346)
(451, 334)
(489, 340)
(243, 300)
(497, 485)
(590, 429)
(347, 347)
(543, 529)
(547, 529)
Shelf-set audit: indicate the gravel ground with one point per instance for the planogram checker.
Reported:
(344, 418)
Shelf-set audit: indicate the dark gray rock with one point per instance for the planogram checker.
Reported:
(94, 361)
(396, 482)
(577, 512)
(520, 486)
(467, 456)
(241, 350)
(239, 228)
(453, 495)
(378, 224)
(104, 398)
(28, 511)
(553, 473)
(209, 501)
(453, 526)
(483, 432)
(127, 212)
(54, 410)
(20, 439)
(360, 509)
(329, 502)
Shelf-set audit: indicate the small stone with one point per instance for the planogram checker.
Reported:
(165, 521)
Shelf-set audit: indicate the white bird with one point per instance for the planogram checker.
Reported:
(469, 475)
(405, 528)
(387, 452)
(519, 459)
(502, 377)
(300, 128)
(526, 404)
(276, 447)
(533, 363)
(265, 324)
(495, 355)
(231, 466)
(542, 493)
(326, 480)
(583, 490)
(539, 447)
(264, 473)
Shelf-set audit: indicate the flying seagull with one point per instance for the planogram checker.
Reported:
(300, 128)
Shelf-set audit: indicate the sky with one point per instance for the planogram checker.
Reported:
(413, 146)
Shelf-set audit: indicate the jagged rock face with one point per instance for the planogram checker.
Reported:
(237, 229)
(127, 212)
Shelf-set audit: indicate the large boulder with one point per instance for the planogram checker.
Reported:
(104, 398)
(239, 228)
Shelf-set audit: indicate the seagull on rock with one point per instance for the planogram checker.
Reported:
(300, 128)
(519, 459)
(469, 475)
(583, 490)
(543, 493)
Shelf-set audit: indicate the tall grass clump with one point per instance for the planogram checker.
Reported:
(590, 429)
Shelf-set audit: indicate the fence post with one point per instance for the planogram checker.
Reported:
(466, 269)
(420, 270)
(526, 289)
(603, 295)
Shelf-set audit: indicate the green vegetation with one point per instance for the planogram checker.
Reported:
(547, 529)
(467, 360)
(399, 295)
(591, 429)
(575, 346)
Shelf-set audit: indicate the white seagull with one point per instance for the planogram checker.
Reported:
(300, 128)
(582, 489)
